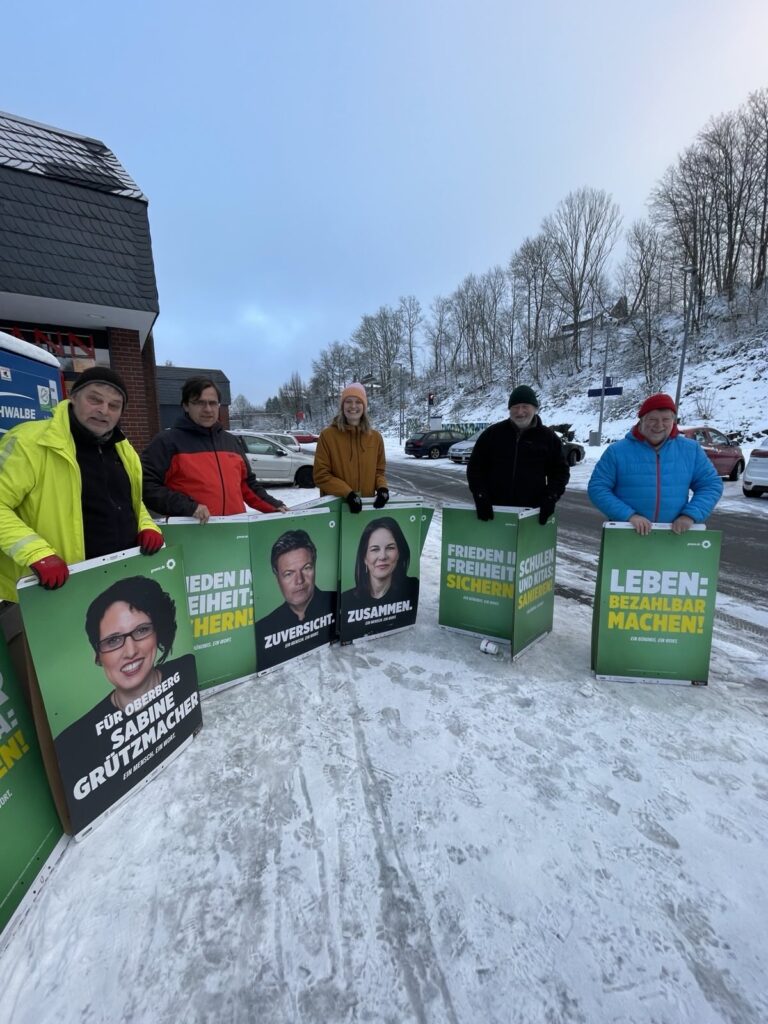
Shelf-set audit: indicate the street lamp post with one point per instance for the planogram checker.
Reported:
(609, 321)
(686, 303)
(401, 401)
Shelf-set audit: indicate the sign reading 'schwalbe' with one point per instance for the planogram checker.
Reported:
(29, 825)
(113, 657)
(217, 567)
(294, 568)
(655, 604)
(379, 568)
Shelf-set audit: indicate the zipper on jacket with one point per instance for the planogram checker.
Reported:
(221, 476)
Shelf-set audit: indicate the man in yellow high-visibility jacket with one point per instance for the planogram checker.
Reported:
(70, 487)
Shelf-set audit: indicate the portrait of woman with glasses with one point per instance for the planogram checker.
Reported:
(131, 627)
(152, 704)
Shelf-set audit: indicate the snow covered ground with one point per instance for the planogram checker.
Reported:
(408, 830)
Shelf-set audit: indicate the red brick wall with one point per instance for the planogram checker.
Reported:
(141, 419)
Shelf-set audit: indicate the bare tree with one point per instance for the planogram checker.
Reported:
(379, 339)
(293, 399)
(642, 274)
(582, 232)
(729, 150)
(530, 269)
(241, 412)
(438, 333)
(412, 317)
(757, 112)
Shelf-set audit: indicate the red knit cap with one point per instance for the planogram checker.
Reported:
(654, 402)
(355, 390)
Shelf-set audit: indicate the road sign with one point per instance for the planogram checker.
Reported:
(597, 392)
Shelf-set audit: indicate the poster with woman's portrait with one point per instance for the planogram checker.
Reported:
(112, 651)
(380, 551)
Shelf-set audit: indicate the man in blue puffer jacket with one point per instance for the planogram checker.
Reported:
(648, 476)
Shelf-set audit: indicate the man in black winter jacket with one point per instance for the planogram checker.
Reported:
(518, 461)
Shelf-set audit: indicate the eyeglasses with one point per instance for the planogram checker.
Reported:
(117, 640)
(201, 401)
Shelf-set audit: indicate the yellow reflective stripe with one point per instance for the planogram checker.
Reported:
(7, 451)
(15, 548)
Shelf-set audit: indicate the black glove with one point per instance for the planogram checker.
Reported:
(354, 501)
(546, 509)
(484, 507)
(382, 497)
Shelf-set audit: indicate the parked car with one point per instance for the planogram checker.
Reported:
(272, 463)
(432, 443)
(726, 456)
(573, 451)
(286, 440)
(305, 437)
(460, 452)
(755, 481)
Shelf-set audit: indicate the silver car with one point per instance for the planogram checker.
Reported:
(273, 463)
(460, 452)
(755, 479)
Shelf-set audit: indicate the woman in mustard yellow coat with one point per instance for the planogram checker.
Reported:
(349, 461)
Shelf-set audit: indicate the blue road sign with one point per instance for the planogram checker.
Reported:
(597, 392)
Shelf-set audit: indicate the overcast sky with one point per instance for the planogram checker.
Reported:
(309, 161)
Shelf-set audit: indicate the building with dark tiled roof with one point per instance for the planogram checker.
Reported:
(169, 383)
(76, 270)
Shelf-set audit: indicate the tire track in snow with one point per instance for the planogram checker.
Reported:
(405, 926)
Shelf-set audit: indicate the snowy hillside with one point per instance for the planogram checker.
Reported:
(725, 383)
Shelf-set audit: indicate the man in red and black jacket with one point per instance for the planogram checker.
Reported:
(196, 468)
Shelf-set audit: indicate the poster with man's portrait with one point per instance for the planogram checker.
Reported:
(294, 570)
(112, 651)
(379, 568)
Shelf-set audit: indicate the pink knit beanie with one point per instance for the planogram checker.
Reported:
(355, 390)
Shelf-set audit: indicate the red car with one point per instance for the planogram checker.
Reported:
(725, 455)
(305, 438)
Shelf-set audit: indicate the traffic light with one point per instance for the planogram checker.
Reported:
(431, 398)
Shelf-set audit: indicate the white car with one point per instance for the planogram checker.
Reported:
(755, 479)
(461, 451)
(272, 463)
(286, 440)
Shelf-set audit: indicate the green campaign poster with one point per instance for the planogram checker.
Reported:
(535, 601)
(294, 563)
(477, 571)
(112, 651)
(656, 605)
(426, 521)
(29, 824)
(217, 564)
(379, 569)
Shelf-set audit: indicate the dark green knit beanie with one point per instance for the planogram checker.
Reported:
(523, 395)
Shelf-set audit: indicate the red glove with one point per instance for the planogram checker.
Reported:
(52, 571)
(149, 541)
